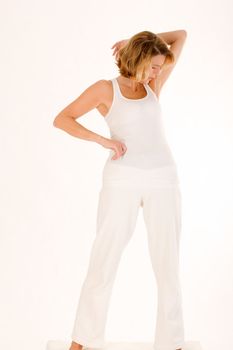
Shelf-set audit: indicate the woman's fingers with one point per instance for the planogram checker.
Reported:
(119, 149)
(118, 154)
(115, 44)
(115, 51)
(120, 43)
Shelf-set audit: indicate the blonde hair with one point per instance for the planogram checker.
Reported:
(134, 59)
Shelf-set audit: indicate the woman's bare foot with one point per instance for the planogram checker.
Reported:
(75, 346)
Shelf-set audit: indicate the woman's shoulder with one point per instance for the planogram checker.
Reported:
(105, 84)
(104, 89)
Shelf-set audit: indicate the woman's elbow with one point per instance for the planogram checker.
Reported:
(57, 121)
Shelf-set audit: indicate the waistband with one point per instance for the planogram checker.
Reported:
(119, 175)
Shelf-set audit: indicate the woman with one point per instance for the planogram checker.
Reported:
(139, 172)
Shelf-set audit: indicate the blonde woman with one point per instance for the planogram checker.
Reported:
(140, 172)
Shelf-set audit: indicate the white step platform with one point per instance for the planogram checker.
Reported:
(65, 345)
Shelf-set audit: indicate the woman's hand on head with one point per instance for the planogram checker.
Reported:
(117, 146)
(118, 45)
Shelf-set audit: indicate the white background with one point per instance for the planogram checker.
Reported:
(50, 52)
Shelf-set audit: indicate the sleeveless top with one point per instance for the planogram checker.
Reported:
(138, 124)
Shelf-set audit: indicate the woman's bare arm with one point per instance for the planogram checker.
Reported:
(176, 40)
(88, 100)
(171, 37)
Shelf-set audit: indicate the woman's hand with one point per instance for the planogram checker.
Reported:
(118, 45)
(117, 146)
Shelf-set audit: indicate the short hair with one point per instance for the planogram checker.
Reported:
(134, 58)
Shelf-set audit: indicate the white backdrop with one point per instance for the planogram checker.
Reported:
(51, 51)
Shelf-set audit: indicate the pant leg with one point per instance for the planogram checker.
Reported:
(162, 216)
(116, 219)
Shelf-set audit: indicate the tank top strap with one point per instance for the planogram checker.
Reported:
(151, 92)
(116, 88)
(148, 89)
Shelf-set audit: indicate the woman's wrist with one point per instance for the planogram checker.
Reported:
(100, 139)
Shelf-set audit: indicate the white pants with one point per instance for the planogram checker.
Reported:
(124, 191)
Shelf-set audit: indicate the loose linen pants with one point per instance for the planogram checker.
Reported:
(125, 189)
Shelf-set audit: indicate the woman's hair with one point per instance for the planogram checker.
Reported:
(134, 58)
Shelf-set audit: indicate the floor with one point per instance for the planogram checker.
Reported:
(64, 345)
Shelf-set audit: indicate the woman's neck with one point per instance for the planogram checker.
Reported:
(130, 83)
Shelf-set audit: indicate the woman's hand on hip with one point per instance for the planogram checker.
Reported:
(117, 146)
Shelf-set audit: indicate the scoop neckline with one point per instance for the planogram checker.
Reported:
(132, 99)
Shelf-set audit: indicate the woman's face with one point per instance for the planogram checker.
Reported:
(155, 67)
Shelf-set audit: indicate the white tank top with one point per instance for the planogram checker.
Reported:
(138, 123)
